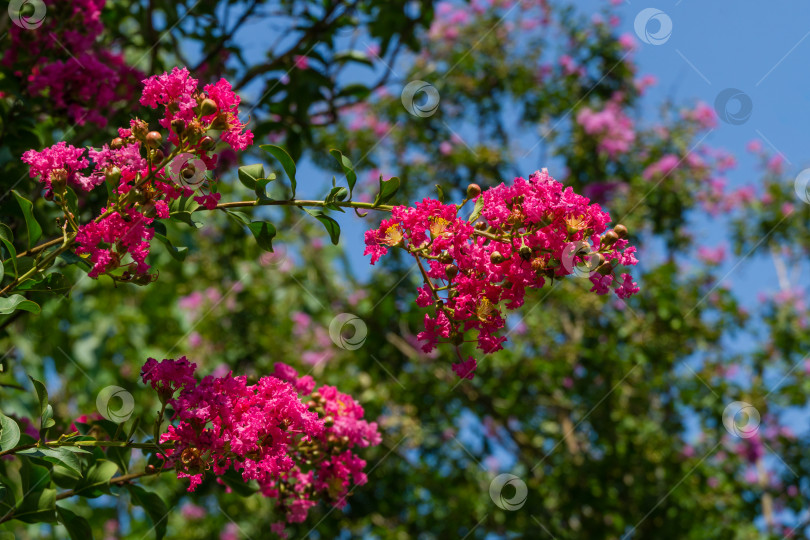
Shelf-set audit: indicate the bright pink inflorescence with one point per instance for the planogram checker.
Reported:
(145, 174)
(523, 235)
(60, 57)
(298, 452)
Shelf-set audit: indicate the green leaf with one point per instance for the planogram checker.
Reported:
(249, 175)
(2, 271)
(8, 240)
(47, 417)
(476, 213)
(177, 253)
(97, 482)
(388, 188)
(154, 506)
(286, 162)
(72, 201)
(54, 283)
(329, 224)
(42, 395)
(234, 481)
(261, 187)
(240, 217)
(63, 455)
(263, 232)
(440, 193)
(10, 434)
(37, 507)
(34, 230)
(185, 217)
(17, 301)
(348, 169)
(77, 527)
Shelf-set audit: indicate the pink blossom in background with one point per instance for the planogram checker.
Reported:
(612, 128)
(754, 146)
(661, 168)
(775, 165)
(703, 115)
(713, 256)
(301, 62)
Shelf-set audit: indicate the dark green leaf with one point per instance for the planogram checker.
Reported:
(235, 481)
(154, 506)
(54, 283)
(286, 162)
(37, 506)
(388, 188)
(97, 482)
(77, 527)
(42, 395)
(348, 169)
(329, 224)
(27, 207)
(264, 233)
(64, 455)
(8, 240)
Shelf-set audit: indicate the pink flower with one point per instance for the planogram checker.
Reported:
(470, 278)
(613, 129)
(712, 256)
(62, 160)
(301, 62)
(466, 370)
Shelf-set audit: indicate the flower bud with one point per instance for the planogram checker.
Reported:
(117, 143)
(139, 129)
(220, 123)
(188, 171)
(150, 468)
(206, 143)
(153, 139)
(496, 258)
(329, 421)
(480, 226)
(525, 253)
(445, 257)
(178, 126)
(621, 230)
(609, 238)
(157, 156)
(59, 180)
(451, 270)
(113, 175)
(473, 190)
(208, 107)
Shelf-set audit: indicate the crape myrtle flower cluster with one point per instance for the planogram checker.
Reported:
(143, 173)
(295, 441)
(64, 60)
(520, 237)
